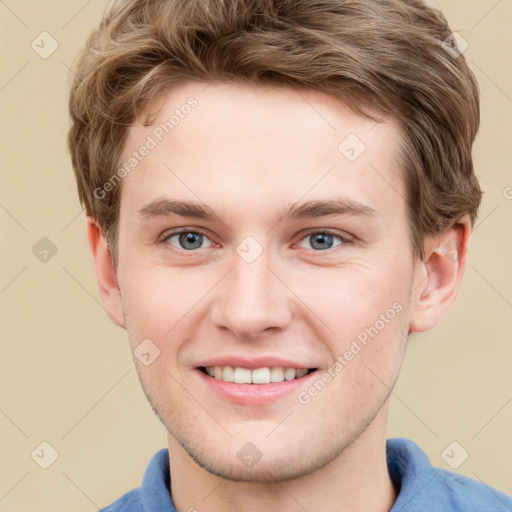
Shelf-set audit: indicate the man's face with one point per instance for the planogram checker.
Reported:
(304, 261)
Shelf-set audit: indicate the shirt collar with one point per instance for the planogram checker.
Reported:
(408, 466)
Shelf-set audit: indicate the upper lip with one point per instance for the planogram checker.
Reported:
(254, 362)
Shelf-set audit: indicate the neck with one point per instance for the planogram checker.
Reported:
(356, 481)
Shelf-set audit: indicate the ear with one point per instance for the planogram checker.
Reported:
(439, 275)
(105, 271)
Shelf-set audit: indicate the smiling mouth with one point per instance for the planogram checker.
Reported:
(265, 375)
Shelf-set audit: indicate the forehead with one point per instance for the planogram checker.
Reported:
(247, 146)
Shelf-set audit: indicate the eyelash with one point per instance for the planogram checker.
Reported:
(344, 241)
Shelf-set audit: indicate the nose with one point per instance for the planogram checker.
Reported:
(252, 300)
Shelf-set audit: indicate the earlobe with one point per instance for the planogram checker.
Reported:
(439, 275)
(106, 276)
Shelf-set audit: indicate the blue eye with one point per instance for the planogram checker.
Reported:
(322, 240)
(187, 240)
(193, 240)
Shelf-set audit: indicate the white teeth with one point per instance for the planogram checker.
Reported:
(263, 375)
(276, 374)
(228, 374)
(242, 375)
(289, 374)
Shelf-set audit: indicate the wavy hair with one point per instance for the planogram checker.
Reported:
(389, 56)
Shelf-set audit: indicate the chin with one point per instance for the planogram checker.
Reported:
(243, 451)
(273, 467)
(288, 455)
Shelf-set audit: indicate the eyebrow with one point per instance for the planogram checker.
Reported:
(165, 207)
(324, 207)
(309, 209)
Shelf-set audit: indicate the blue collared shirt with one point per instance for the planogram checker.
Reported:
(422, 487)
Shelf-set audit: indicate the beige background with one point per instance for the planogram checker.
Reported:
(67, 377)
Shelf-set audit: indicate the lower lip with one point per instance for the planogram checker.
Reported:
(254, 394)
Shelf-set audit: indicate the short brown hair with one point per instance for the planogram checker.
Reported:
(389, 55)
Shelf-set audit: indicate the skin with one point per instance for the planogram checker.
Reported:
(248, 153)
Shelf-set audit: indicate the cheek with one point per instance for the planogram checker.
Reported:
(356, 296)
(338, 303)
(366, 309)
(159, 299)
